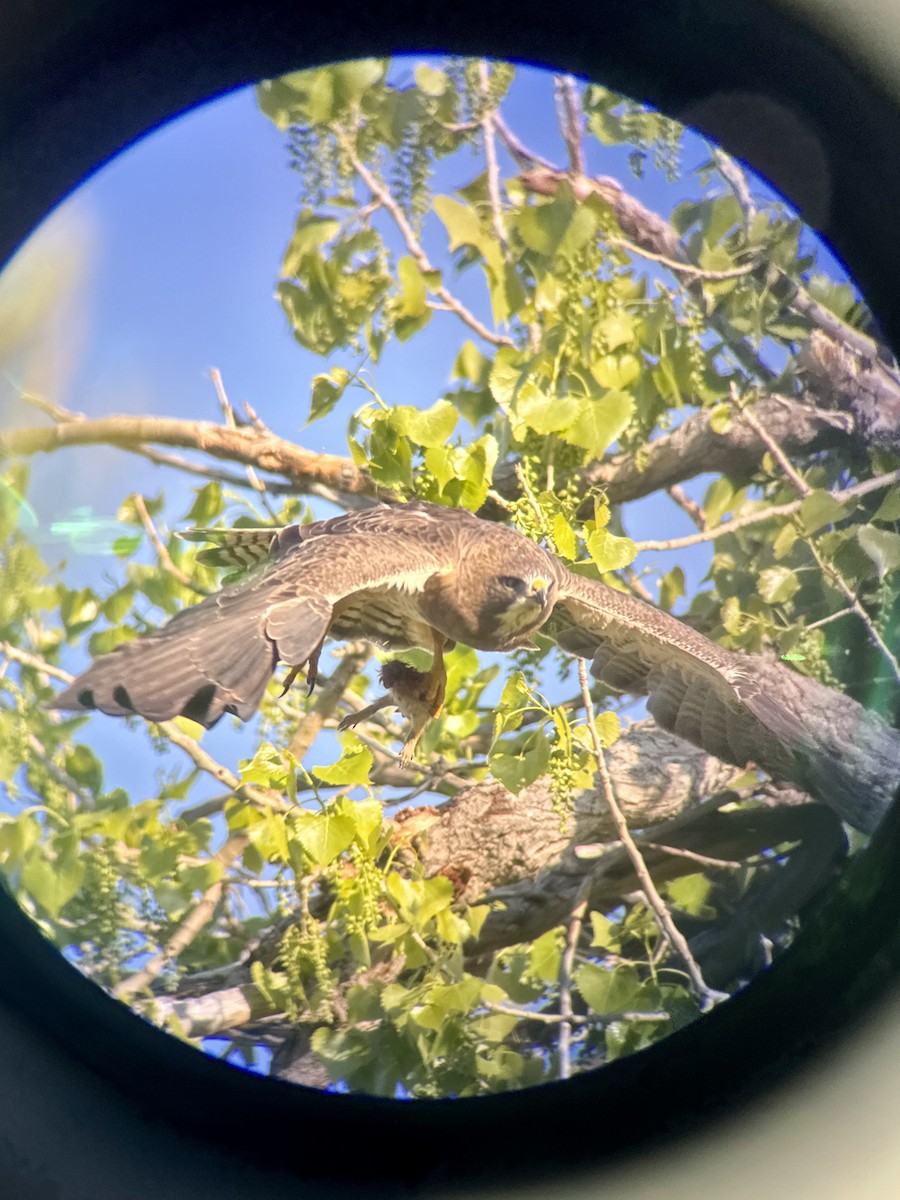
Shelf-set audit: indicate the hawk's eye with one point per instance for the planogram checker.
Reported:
(511, 582)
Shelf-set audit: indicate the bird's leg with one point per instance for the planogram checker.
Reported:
(312, 668)
(436, 676)
(289, 679)
(312, 671)
(426, 699)
(364, 713)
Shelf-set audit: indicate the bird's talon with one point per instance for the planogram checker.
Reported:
(291, 676)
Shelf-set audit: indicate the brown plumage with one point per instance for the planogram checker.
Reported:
(422, 575)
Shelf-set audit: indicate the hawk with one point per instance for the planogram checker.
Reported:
(423, 575)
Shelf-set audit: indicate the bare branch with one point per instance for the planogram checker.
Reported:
(490, 158)
(524, 157)
(383, 195)
(737, 181)
(865, 488)
(193, 924)
(684, 268)
(691, 507)
(162, 553)
(706, 995)
(302, 468)
(232, 423)
(569, 114)
(207, 1015)
(565, 977)
(747, 414)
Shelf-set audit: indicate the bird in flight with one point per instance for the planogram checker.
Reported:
(424, 575)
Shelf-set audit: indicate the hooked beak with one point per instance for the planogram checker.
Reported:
(540, 590)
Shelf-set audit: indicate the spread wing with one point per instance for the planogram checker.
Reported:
(217, 656)
(741, 708)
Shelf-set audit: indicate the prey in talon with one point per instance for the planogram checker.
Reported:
(419, 695)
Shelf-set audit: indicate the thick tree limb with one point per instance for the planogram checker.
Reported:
(304, 469)
(695, 448)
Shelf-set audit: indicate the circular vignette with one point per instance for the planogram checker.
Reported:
(75, 89)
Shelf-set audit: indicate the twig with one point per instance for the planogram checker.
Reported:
(161, 459)
(33, 660)
(850, 596)
(684, 268)
(328, 698)
(530, 498)
(747, 415)
(639, 589)
(378, 189)
(576, 921)
(195, 921)
(707, 996)
(517, 148)
(490, 158)
(691, 507)
(526, 1014)
(776, 510)
(844, 612)
(824, 565)
(51, 408)
(737, 181)
(205, 762)
(162, 553)
(703, 859)
(569, 121)
(84, 796)
(232, 423)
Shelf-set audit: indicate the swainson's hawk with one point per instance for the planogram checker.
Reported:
(422, 575)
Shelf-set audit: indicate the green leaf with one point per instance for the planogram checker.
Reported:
(431, 427)
(431, 81)
(690, 894)
(607, 991)
(369, 816)
(671, 586)
(777, 584)
(52, 884)
(516, 771)
(889, 509)
(545, 956)
(616, 371)
(323, 835)
(471, 364)
(564, 537)
(718, 500)
(820, 508)
(609, 552)
(882, 546)
(600, 422)
(465, 229)
(353, 767)
(326, 392)
(720, 418)
(311, 232)
(207, 505)
(353, 79)
(546, 414)
(604, 932)
(616, 329)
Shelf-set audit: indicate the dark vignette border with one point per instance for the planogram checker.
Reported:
(78, 83)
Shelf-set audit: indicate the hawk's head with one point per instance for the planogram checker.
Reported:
(510, 608)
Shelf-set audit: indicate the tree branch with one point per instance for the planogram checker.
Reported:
(387, 201)
(707, 996)
(304, 469)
